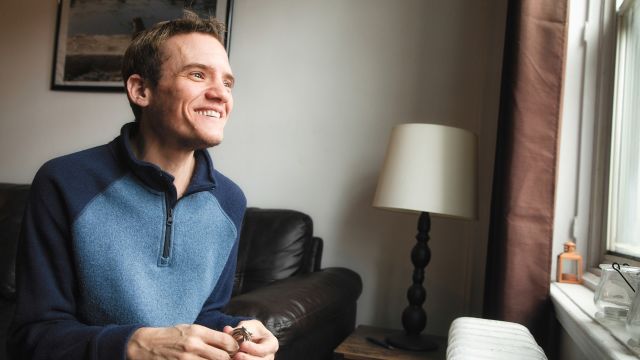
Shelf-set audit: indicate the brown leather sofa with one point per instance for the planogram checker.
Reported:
(279, 279)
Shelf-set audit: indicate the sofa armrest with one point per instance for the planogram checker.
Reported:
(296, 305)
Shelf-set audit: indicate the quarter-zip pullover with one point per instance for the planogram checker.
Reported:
(106, 248)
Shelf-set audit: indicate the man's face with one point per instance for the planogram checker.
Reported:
(190, 105)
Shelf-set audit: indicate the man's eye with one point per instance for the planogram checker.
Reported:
(228, 84)
(198, 75)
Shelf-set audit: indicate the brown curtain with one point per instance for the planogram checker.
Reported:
(521, 225)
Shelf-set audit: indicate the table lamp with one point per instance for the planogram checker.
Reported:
(427, 169)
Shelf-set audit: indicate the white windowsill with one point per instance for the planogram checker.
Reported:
(597, 338)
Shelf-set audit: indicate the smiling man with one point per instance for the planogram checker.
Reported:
(128, 250)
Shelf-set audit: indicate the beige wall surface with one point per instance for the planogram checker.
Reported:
(320, 85)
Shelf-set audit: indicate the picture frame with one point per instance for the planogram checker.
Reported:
(92, 35)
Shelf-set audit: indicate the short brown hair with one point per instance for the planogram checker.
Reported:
(143, 56)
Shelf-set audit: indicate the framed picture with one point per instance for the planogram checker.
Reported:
(92, 36)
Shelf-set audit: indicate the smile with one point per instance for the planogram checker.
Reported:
(209, 113)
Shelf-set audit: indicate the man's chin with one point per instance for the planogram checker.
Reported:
(211, 142)
(202, 143)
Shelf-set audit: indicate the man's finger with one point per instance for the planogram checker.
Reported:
(218, 340)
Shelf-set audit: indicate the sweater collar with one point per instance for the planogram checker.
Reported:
(203, 177)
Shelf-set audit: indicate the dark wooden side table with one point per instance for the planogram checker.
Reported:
(356, 347)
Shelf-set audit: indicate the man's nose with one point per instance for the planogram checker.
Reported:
(218, 91)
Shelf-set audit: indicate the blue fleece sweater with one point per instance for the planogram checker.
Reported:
(106, 248)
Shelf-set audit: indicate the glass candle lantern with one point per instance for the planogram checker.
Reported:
(632, 322)
(569, 265)
(616, 290)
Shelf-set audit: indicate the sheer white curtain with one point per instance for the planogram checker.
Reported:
(624, 195)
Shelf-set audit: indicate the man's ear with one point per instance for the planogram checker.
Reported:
(138, 90)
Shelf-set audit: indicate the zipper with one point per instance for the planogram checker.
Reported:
(167, 233)
(168, 226)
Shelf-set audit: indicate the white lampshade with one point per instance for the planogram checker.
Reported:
(429, 168)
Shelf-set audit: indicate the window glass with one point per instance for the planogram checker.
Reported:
(623, 235)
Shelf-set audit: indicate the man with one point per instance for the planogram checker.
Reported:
(128, 250)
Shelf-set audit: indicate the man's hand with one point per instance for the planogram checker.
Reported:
(180, 342)
(263, 344)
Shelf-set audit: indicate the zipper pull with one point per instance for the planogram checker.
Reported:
(170, 217)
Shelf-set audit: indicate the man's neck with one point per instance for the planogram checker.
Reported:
(177, 162)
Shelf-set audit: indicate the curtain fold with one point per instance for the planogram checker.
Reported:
(521, 226)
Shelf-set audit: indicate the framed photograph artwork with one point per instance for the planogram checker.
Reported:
(92, 36)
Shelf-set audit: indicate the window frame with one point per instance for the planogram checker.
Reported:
(585, 142)
(619, 85)
(598, 234)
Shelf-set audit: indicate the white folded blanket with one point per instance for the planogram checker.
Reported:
(475, 338)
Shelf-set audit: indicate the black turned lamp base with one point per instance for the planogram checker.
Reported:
(414, 318)
(412, 342)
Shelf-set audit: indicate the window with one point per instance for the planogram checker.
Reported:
(598, 186)
(623, 225)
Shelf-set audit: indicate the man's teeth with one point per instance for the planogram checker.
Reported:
(209, 113)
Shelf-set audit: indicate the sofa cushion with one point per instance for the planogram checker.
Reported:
(13, 199)
(272, 245)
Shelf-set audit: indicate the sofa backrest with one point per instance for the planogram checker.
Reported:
(275, 244)
(13, 199)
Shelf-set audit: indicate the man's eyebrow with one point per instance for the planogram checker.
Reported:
(227, 76)
(196, 65)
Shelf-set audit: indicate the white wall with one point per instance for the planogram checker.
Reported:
(567, 348)
(320, 84)
(578, 202)
(578, 146)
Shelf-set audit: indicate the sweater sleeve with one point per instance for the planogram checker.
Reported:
(234, 203)
(45, 324)
(211, 315)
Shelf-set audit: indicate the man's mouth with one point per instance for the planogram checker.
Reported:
(209, 113)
